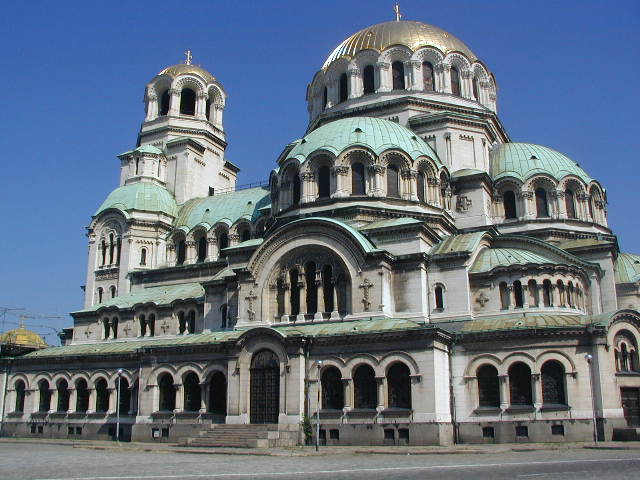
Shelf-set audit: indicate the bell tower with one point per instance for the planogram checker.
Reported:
(182, 135)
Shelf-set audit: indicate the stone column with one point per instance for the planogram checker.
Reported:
(444, 71)
(376, 172)
(308, 193)
(179, 397)
(152, 107)
(191, 252)
(561, 206)
(53, 404)
(411, 177)
(215, 114)
(552, 295)
(348, 393)
(415, 82)
(536, 390)
(320, 289)
(527, 196)
(174, 101)
(340, 172)
(234, 239)
(92, 400)
(381, 392)
(483, 89)
(171, 254)
(525, 293)
(382, 77)
(113, 400)
(212, 249)
(287, 301)
(504, 391)
(332, 93)
(303, 294)
(203, 398)
(465, 84)
(355, 82)
(201, 105)
(335, 313)
(73, 399)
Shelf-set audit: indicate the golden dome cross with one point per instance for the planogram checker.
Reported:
(396, 9)
(188, 57)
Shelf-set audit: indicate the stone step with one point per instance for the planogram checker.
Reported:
(241, 436)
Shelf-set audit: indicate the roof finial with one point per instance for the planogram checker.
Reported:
(188, 57)
(396, 9)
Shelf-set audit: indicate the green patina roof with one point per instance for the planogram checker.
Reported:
(376, 134)
(393, 222)
(162, 295)
(465, 172)
(466, 242)
(627, 268)
(227, 208)
(515, 160)
(364, 242)
(522, 322)
(144, 149)
(491, 258)
(140, 196)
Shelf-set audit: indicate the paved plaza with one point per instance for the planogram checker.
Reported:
(21, 460)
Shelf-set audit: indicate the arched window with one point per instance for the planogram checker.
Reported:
(20, 396)
(223, 316)
(191, 321)
(114, 327)
(561, 293)
(325, 98)
(542, 205)
(143, 256)
(474, 85)
(517, 294)
(102, 396)
(112, 289)
(112, 247)
(365, 388)
(488, 387)
(534, 298)
(570, 295)
(546, 293)
(344, 88)
(428, 78)
(332, 389)
(570, 202)
(192, 394)
(103, 248)
(142, 320)
(165, 100)
(151, 325)
(327, 283)
(182, 324)
(63, 396)
(187, 102)
(520, 391)
(295, 291)
(553, 390)
(100, 294)
(397, 72)
(245, 235)
(218, 394)
(223, 241)
(421, 187)
(207, 109)
(439, 295)
(118, 249)
(124, 400)
(181, 252)
(202, 249)
(82, 396)
(324, 179)
(509, 199)
(626, 352)
(296, 188)
(504, 295)
(167, 398)
(455, 81)
(106, 327)
(399, 386)
(311, 288)
(393, 185)
(44, 396)
(368, 82)
(137, 165)
(357, 179)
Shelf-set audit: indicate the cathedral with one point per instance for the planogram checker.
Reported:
(407, 276)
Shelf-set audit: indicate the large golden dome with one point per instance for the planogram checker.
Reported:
(182, 68)
(413, 35)
(22, 337)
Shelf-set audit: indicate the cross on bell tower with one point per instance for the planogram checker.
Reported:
(396, 9)
(188, 56)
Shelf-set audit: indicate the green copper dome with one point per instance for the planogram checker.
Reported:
(627, 268)
(144, 196)
(524, 160)
(373, 134)
(491, 258)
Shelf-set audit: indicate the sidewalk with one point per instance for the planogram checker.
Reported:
(472, 449)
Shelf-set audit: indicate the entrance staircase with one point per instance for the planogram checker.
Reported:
(245, 436)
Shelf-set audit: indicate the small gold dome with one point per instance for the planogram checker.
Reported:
(413, 35)
(22, 337)
(182, 68)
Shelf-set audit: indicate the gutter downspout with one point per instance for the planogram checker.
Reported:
(452, 397)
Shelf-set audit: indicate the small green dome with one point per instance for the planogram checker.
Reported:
(374, 134)
(524, 160)
(144, 196)
(627, 268)
(491, 258)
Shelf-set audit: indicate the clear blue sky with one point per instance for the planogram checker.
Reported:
(74, 74)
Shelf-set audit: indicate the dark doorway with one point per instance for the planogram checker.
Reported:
(631, 405)
(265, 387)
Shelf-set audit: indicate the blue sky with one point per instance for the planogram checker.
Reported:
(74, 74)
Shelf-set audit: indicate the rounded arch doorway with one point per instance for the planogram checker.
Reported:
(265, 387)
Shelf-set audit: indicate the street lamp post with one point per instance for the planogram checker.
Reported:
(319, 364)
(119, 372)
(589, 358)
